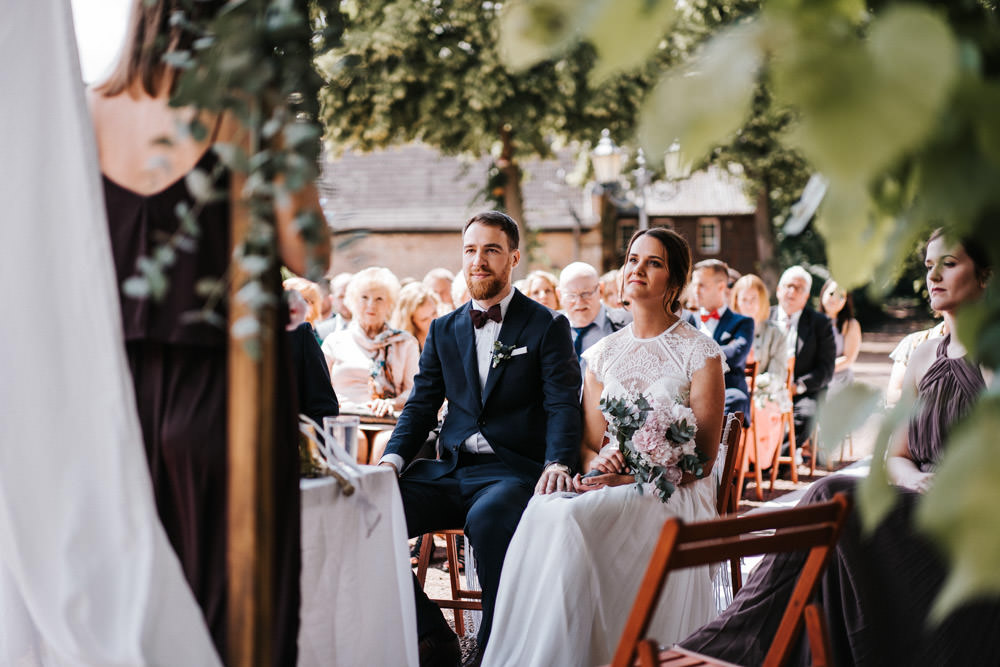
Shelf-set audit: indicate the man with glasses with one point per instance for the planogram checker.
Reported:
(809, 336)
(580, 296)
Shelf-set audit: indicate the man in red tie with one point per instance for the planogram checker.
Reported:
(732, 331)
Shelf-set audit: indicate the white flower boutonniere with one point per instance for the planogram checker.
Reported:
(501, 353)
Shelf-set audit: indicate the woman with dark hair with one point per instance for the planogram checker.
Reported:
(179, 364)
(575, 563)
(878, 588)
(837, 304)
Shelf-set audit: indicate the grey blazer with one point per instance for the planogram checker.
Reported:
(770, 350)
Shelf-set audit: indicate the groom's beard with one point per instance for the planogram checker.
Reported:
(482, 289)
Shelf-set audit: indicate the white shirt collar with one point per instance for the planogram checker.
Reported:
(721, 310)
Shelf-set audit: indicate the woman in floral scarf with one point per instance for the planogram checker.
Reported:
(372, 364)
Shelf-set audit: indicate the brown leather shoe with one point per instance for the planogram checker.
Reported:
(440, 649)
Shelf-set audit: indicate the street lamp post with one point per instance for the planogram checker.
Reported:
(641, 184)
(608, 161)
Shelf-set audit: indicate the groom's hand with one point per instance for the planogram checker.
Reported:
(554, 478)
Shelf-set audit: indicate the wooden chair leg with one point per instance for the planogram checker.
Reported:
(424, 559)
(756, 465)
(452, 545)
(744, 466)
(819, 637)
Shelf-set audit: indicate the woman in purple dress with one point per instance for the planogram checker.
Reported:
(878, 588)
(179, 363)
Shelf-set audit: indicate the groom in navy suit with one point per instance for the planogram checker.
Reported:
(507, 368)
(732, 331)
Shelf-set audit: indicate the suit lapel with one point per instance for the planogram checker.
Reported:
(465, 339)
(723, 325)
(801, 329)
(513, 323)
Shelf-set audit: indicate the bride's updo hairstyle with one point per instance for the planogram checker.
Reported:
(678, 257)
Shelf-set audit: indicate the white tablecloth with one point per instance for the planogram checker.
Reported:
(357, 593)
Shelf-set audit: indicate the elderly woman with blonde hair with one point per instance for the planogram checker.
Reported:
(371, 363)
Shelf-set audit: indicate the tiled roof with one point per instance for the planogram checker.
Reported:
(713, 191)
(415, 188)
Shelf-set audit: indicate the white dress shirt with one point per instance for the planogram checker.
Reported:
(485, 337)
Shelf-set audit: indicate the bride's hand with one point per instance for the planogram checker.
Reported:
(610, 462)
(918, 481)
(584, 484)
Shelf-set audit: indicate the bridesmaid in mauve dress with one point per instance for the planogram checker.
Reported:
(878, 589)
(179, 364)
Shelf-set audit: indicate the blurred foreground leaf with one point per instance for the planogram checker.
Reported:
(875, 495)
(847, 411)
(960, 510)
(708, 100)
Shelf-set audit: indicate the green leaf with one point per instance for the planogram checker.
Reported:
(535, 30)
(627, 32)
(875, 496)
(875, 99)
(707, 101)
(846, 411)
(959, 511)
(199, 183)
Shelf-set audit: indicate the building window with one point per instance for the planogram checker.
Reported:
(709, 236)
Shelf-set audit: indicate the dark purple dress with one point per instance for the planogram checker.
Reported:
(877, 589)
(179, 374)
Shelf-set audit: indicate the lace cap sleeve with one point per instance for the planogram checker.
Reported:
(702, 348)
(597, 357)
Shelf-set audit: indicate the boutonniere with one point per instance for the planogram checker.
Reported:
(501, 353)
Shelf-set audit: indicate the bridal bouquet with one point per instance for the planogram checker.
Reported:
(655, 438)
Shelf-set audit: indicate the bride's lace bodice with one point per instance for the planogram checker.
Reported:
(660, 367)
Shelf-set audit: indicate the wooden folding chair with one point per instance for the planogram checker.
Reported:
(461, 598)
(750, 440)
(728, 497)
(814, 528)
(788, 422)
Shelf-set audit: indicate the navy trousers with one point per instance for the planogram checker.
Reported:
(485, 499)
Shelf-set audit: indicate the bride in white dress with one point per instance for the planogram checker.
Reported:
(574, 566)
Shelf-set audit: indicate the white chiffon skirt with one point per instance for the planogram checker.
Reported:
(573, 570)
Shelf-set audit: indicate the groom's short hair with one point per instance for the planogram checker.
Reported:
(497, 219)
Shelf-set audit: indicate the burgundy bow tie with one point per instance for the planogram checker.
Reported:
(714, 315)
(479, 317)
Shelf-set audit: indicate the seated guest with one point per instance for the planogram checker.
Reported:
(417, 306)
(878, 588)
(459, 290)
(310, 292)
(749, 297)
(732, 331)
(372, 364)
(611, 289)
(809, 339)
(440, 281)
(312, 379)
(541, 287)
(580, 293)
(340, 315)
(838, 305)
(900, 356)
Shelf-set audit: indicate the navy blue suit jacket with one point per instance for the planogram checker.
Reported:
(734, 334)
(529, 411)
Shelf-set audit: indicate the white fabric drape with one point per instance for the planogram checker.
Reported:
(87, 576)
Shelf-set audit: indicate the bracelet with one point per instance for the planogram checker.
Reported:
(557, 466)
(610, 447)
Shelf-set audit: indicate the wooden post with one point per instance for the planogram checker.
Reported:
(251, 449)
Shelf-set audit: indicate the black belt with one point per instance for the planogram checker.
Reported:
(469, 459)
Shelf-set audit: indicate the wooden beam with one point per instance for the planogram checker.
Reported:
(251, 447)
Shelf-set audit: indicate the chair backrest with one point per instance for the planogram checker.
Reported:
(732, 438)
(790, 374)
(750, 371)
(813, 528)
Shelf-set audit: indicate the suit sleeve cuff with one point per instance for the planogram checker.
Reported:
(394, 459)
